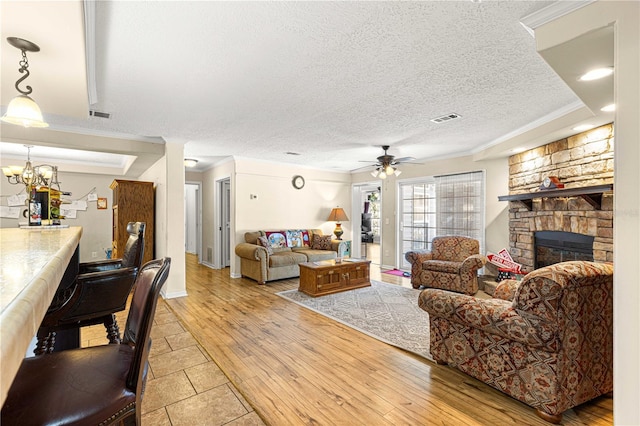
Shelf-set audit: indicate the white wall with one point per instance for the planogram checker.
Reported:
(96, 224)
(496, 212)
(167, 174)
(626, 19)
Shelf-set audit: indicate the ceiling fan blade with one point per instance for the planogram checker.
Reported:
(403, 160)
(365, 167)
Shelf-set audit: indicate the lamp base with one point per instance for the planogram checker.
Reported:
(338, 231)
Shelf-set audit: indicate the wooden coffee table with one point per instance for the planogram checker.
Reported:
(327, 276)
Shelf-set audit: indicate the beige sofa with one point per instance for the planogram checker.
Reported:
(256, 263)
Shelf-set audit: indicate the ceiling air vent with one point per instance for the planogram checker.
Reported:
(447, 117)
(99, 114)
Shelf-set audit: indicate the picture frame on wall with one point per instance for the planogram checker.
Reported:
(102, 203)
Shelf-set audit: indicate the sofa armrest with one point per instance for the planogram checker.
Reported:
(506, 290)
(472, 263)
(252, 251)
(492, 316)
(416, 257)
(340, 247)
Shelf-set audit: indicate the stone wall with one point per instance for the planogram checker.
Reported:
(585, 159)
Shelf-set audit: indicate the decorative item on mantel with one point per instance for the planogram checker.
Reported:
(551, 182)
(338, 215)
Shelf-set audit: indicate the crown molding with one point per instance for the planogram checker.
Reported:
(550, 13)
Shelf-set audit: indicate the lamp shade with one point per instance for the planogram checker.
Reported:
(24, 111)
(337, 215)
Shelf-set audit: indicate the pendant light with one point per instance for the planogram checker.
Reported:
(22, 110)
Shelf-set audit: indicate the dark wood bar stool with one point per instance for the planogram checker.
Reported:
(100, 289)
(96, 385)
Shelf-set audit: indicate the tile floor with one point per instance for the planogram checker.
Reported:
(184, 386)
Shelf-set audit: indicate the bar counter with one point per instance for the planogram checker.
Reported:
(32, 263)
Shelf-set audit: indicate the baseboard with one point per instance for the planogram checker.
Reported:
(209, 265)
(235, 275)
(387, 267)
(174, 294)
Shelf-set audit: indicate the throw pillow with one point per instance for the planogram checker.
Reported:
(277, 239)
(321, 242)
(262, 241)
(294, 238)
(305, 239)
(298, 238)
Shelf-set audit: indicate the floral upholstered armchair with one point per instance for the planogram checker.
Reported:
(452, 264)
(550, 347)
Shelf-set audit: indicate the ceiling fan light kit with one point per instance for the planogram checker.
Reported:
(387, 165)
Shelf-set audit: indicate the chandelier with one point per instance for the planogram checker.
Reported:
(22, 110)
(30, 175)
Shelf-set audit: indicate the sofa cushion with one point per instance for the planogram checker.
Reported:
(321, 242)
(276, 238)
(442, 266)
(262, 241)
(316, 255)
(286, 258)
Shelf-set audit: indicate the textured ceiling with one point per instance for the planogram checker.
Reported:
(332, 81)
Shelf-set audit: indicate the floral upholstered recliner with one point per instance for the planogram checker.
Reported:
(452, 264)
(550, 347)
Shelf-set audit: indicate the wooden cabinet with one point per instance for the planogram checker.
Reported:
(133, 201)
(326, 277)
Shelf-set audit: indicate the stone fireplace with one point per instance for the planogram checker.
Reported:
(566, 227)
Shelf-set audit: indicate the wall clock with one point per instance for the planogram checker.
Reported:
(297, 182)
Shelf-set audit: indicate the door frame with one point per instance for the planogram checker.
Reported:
(224, 238)
(356, 210)
(198, 217)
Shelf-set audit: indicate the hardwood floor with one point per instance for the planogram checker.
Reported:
(295, 366)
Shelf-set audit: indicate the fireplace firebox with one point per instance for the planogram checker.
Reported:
(559, 246)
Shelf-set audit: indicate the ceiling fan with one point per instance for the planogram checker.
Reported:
(386, 164)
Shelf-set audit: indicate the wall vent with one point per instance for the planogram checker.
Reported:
(447, 117)
(99, 114)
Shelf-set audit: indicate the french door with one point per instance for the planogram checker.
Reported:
(441, 205)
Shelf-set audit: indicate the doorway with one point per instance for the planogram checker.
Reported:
(225, 223)
(367, 211)
(193, 219)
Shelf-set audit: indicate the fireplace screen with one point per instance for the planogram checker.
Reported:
(557, 246)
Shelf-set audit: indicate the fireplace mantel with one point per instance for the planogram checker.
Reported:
(591, 194)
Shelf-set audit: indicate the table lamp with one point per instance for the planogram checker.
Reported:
(338, 215)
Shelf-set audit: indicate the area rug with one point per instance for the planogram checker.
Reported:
(397, 272)
(386, 312)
